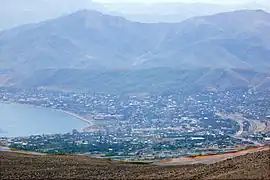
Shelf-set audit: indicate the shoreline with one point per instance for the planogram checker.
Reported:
(89, 122)
(76, 116)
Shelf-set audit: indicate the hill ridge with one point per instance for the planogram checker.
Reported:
(251, 166)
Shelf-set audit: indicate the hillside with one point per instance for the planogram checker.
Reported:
(21, 166)
(87, 48)
(146, 80)
(85, 39)
(90, 39)
(237, 39)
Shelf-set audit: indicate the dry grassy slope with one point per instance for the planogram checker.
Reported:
(254, 166)
(137, 81)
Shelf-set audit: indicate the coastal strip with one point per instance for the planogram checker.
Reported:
(77, 116)
(59, 110)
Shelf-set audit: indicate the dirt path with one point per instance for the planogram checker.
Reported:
(78, 117)
(7, 149)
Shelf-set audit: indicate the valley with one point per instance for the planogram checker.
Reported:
(147, 126)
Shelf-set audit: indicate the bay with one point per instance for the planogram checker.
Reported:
(24, 120)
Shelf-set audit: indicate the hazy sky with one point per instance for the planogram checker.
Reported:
(185, 1)
(28, 11)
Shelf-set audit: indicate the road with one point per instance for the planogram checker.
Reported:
(240, 120)
(78, 117)
(236, 117)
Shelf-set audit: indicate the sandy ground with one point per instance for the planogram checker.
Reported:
(210, 159)
(27, 166)
(77, 116)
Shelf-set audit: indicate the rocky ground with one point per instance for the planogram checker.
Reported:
(26, 166)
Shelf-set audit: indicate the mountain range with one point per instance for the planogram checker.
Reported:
(30, 11)
(91, 39)
(176, 11)
(88, 41)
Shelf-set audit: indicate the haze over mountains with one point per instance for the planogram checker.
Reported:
(89, 40)
(29, 11)
(177, 11)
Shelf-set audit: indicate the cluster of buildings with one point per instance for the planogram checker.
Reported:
(146, 126)
(137, 145)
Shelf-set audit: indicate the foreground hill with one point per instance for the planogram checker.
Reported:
(16, 166)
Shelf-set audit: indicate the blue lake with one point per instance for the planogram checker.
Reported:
(25, 120)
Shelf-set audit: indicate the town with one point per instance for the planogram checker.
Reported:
(149, 126)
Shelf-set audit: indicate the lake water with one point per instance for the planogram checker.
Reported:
(25, 120)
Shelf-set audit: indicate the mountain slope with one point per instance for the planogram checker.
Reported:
(235, 39)
(83, 39)
(250, 166)
(145, 80)
(88, 48)
(89, 39)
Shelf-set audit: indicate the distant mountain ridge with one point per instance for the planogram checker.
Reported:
(90, 40)
(25, 11)
(225, 40)
(83, 39)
